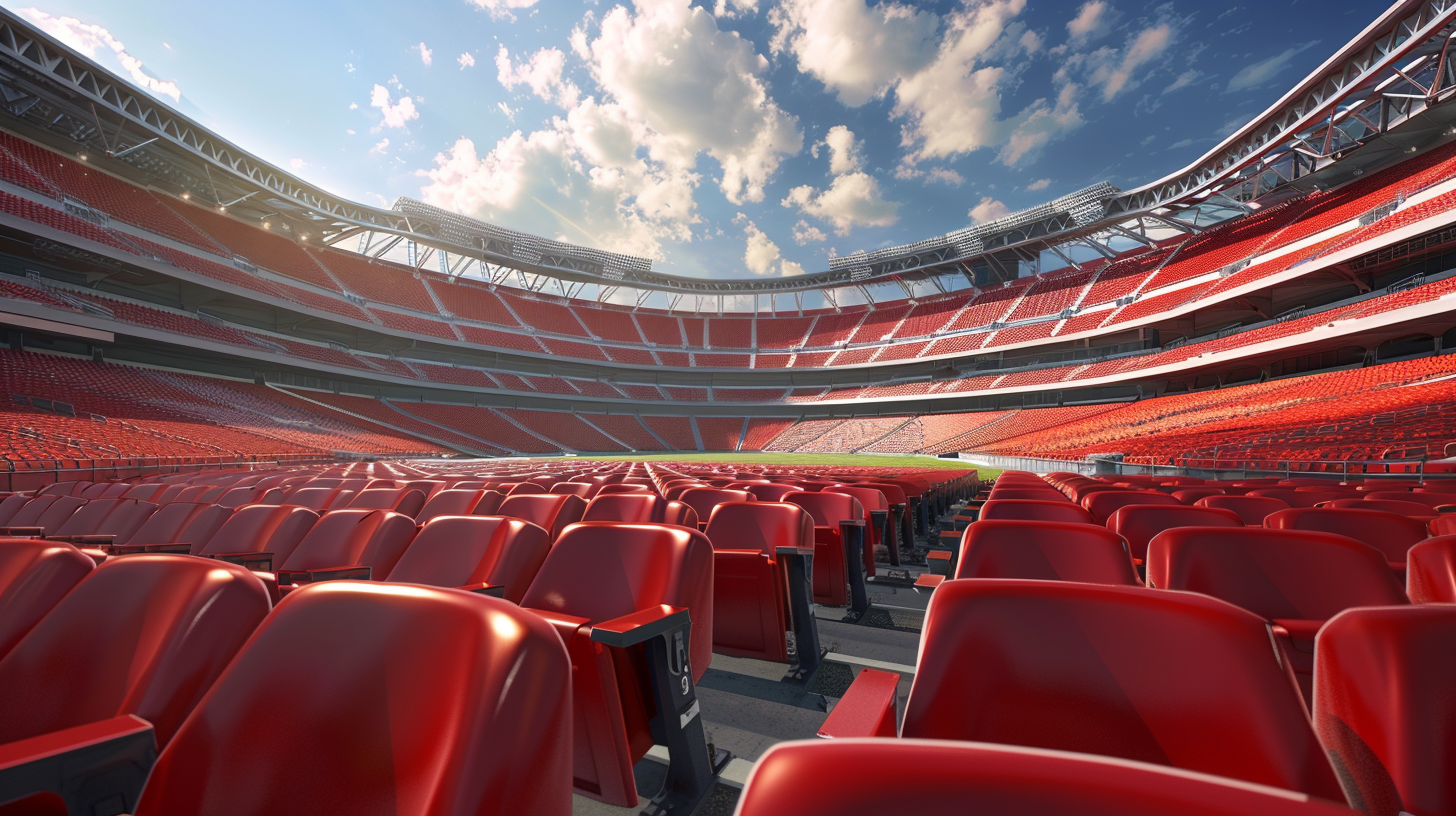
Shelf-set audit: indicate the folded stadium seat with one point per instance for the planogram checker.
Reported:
(1103, 504)
(140, 637)
(43, 514)
(458, 502)
(1081, 490)
(609, 588)
(105, 521)
(1389, 484)
(704, 499)
(1431, 572)
(523, 489)
(582, 489)
(1429, 499)
(550, 512)
(1299, 498)
(429, 487)
(1409, 509)
(180, 527)
(467, 676)
(639, 508)
(877, 520)
(12, 504)
(676, 491)
(1045, 550)
(1390, 533)
(34, 576)
(238, 496)
(492, 555)
(188, 493)
(1139, 523)
(899, 523)
(1384, 682)
(105, 490)
(1190, 495)
(839, 539)
(1252, 509)
(1034, 510)
(761, 589)
(63, 488)
(1168, 678)
(1030, 493)
(402, 500)
(768, 491)
(144, 492)
(835, 777)
(1296, 580)
(321, 499)
(611, 489)
(354, 544)
(260, 536)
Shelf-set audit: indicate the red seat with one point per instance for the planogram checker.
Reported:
(321, 499)
(752, 542)
(1431, 571)
(769, 492)
(834, 571)
(12, 504)
(490, 554)
(183, 524)
(639, 508)
(1043, 493)
(550, 512)
(1191, 495)
(1390, 533)
(876, 517)
(1429, 499)
(1412, 509)
(107, 520)
(239, 496)
(612, 489)
(1103, 504)
(359, 544)
(1168, 678)
(46, 513)
(356, 698)
(582, 489)
(262, 535)
(34, 576)
(1252, 509)
(1034, 510)
(1139, 523)
(398, 499)
(145, 635)
(704, 499)
(455, 502)
(1295, 579)
(1045, 550)
(1384, 682)
(837, 777)
(1300, 498)
(608, 587)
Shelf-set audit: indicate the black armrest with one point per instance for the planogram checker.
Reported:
(99, 764)
(257, 561)
(640, 627)
(493, 590)
(22, 532)
(313, 576)
(91, 540)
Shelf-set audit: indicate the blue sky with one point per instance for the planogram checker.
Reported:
(723, 138)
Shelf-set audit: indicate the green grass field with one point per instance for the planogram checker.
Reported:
(800, 460)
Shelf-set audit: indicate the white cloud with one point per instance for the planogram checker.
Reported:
(730, 9)
(692, 88)
(1184, 79)
(542, 73)
(506, 109)
(1038, 185)
(1253, 76)
(761, 255)
(943, 175)
(426, 55)
(806, 233)
(297, 164)
(502, 8)
(988, 210)
(1113, 71)
(843, 153)
(395, 114)
(466, 60)
(857, 51)
(92, 40)
(852, 200)
(1090, 23)
(381, 146)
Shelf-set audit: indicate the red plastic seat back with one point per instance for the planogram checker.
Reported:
(1104, 503)
(760, 526)
(1429, 499)
(1139, 523)
(1390, 533)
(1431, 571)
(182, 523)
(143, 635)
(1276, 574)
(1045, 493)
(11, 505)
(612, 489)
(319, 498)
(550, 512)
(525, 489)
(1384, 682)
(88, 518)
(398, 499)
(639, 508)
(600, 570)
(259, 528)
(452, 502)
(894, 494)
(447, 702)
(33, 513)
(582, 489)
(828, 509)
(704, 499)
(456, 551)
(1034, 510)
(1252, 509)
(869, 498)
(1168, 678)
(34, 576)
(1190, 495)
(1299, 498)
(1045, 550)
(1400, 508)
(832, 777)
(770, 492)
(353, 538)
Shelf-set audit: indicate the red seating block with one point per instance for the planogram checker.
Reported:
(352, 543)
(752, 542)
(1045, 550)
(495, 555)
